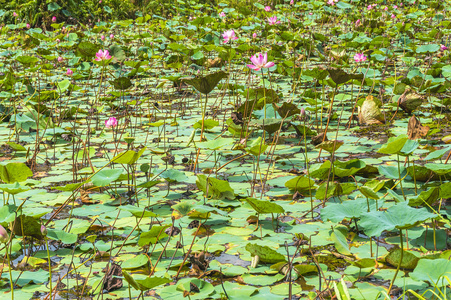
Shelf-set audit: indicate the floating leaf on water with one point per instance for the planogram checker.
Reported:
(105, 177)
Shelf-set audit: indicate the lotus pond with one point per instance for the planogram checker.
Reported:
(279, 150)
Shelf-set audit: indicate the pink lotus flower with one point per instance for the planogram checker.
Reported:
(14, 14)
(267, 8)
(111, 122)
(443, 47)
(260, 61)
(111, 36)
(102, 55)
(229, 35)
(69, 72)
(222, 14)
(359, 57)
(60, 59)
(53, 19)
(4, 236)
(102, 37)
(273, 20)
(254, 35)
(28, 26)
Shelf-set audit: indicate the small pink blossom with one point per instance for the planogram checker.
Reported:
(291, 2)
(395, 6)
(331, 2)
(102, 37)
(360, 57)
(400, 4)
(254, 35)
(14, 14)
(369, 7)
(111, 122)
(393, 16)
(222, 14)
(443, 47)
(60, 59)
(28, 26)
(58, 40)
(102, 55)
(273, 20)
(229, 35)
(43, 230)
(111, 36)
(100, 1)
(260, 61)
(358, 23)
(310, 13)
(267, 8)
(385, 8)
(69, 72)
(53, 19)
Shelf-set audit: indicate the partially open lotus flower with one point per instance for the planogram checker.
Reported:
(102, 55)
(4, 236)
(260, 61)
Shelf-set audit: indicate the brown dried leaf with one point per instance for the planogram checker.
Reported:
(415, 130)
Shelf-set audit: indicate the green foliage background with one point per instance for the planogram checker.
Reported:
(40, 12)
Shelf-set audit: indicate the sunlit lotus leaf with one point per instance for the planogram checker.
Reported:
(105, 177)
(264, 206)
(394, 145)
(129, 157)
(399, 216)
(257, 147)
(14, 172)
(266, 254)
(215, 188)
(432, 271)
